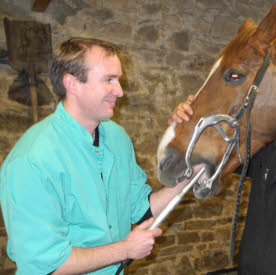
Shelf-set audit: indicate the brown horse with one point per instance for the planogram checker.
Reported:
(223, 93)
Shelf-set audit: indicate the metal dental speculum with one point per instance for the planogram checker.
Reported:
(233, 143)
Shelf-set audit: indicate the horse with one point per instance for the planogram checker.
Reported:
(224, 92)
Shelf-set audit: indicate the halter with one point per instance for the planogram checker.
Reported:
(233, 142)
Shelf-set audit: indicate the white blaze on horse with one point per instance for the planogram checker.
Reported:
(224, 92)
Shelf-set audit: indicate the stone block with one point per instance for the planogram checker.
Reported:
(253, 12)
(5, 146)
(184, 266)
(211, 4)
(165, 241)
(149, 34)
(207, 209)
(9, 266)
(1, 219)
(207, 237)
(223, 234)
(180, 215)
(181, 40)
(199, 225)
(224, 221)
(224, 27)
(175, 250)
(212, 259)
(162, 268)
(139, 271)
(188, 237)
(178, 6)
(200, 63)
(218, 245)
(174, 58)
(152, 8)
(114, 29)
(170, 258)
(115, 4)
(201, 247)
(190, 83)
(14, 123)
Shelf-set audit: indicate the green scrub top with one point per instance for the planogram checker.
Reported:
(58, 191)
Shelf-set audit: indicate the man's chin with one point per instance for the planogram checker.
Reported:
(108, 115)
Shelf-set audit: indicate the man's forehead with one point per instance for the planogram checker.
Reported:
(98, 54)
(106, 65)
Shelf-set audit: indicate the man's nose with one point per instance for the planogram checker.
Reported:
(119, 90)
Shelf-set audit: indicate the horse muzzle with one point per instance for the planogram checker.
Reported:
(173, 166)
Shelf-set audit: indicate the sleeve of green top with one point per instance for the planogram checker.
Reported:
(32, 205)
(139, 189)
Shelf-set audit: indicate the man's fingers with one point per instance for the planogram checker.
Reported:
(181, 115)
(190, 98)
(184, 107)
(170, 121)
(178, 116)
(145, 225)
(182, 112)
(156, 232)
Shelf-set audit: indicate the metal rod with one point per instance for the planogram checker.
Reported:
(175, 201)
(167, 210)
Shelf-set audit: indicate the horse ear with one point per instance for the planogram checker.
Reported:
(247, 25)
(265, 33)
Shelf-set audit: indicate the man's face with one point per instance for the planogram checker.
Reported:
(98, 95)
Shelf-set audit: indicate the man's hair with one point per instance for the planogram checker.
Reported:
(69, 57)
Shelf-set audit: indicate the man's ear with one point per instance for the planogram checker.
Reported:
(71, 84)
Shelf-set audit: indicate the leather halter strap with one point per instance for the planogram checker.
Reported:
(250, 99)
(259, 77)
(248, 105)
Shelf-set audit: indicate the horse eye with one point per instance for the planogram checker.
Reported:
(234, 77)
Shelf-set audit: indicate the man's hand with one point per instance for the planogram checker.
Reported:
(140, 241)
(182, 112)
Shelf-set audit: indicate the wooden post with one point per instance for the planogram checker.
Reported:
(33, 95)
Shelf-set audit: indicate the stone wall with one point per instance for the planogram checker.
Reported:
(171, 45)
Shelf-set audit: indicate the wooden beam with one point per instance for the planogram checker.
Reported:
(40, 5)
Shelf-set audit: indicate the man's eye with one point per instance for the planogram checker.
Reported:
(109, 80)
(234, 77)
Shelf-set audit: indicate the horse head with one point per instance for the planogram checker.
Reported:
(224, 92)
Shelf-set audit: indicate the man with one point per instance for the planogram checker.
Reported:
(71, 187)
(258, 245)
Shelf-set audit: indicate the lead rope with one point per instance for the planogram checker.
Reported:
(243, 174)
(248, 105)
